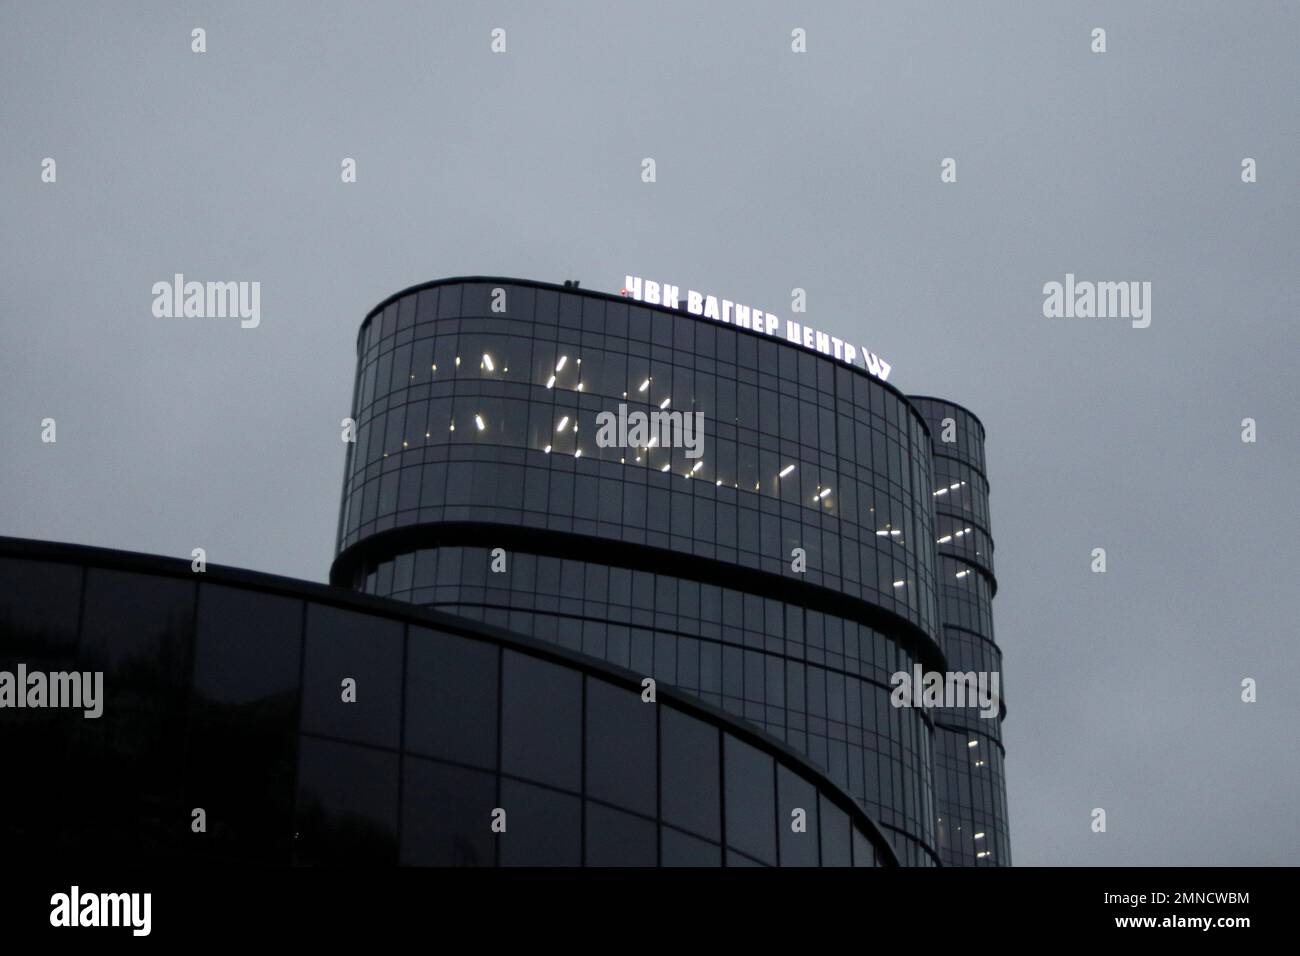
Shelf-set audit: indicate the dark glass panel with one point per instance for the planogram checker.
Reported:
(836, 845)
(368, 650)
(244, 722)
(39, 605)
(137, 630)
(347, 804)
(796, 793)
(680, 849)
(750, 800)
(615, 838)
(447, 814)
(39, 801)
(543, 827)
(247, 646)
(863, 854)
(689, 769)
(621, 747)
(139, 626)
(541, 718)
(451, 698)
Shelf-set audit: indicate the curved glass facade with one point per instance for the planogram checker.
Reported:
(814, 680)
(316, 726)
(781, 568)
(970, 792)
(466, 414)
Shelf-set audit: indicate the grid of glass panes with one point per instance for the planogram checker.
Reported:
(817, 681)
(960, 537)
(226, 695)
(967, 653)
(964, 597)
(965, 430)
(971, 796)
(960, 490)
(460, 409)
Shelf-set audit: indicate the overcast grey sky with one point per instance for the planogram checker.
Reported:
(775, 170)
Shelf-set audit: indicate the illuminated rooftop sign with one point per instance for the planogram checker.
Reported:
(733, 313)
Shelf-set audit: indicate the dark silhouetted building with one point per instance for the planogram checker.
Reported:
(224, 692)
(549, 640)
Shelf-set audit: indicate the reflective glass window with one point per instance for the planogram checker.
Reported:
(615, 838)
(750, 800)
(541, 719)
(347, 804)
(543, 826)
(836, 848)
(797, 819)
(682, 849)
(39, 605)
(451, 698)
(447, 815)
(689, 773)
(621, 747)
(349, 646)
(244, 720)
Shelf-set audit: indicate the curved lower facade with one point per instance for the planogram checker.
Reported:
(254, 719)
(779, 563)
(814, 680)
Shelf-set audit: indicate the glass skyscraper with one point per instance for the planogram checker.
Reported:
(827, 533)
(547, 640)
